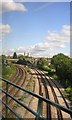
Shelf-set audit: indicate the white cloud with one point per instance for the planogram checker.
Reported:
(4, 30)
(54, 43)
(62, 36)
(10, 5)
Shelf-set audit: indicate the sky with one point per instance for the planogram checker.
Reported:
(40, 28)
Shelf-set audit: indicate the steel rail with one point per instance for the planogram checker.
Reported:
(37, 96)
(60, 92)
(47, 96)
(12, 89)
(55, 98)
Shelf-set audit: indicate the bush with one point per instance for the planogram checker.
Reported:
(69, 92)
(41, 63)
(63, 67)
(8, 71)
(55, 77)
(46, 68)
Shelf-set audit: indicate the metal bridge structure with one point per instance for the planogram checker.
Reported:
(41, 98)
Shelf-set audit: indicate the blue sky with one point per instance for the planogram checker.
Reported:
(41, 28)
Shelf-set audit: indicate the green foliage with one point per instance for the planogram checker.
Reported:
(14, 55)
(55, 77)
(8, 71)
(69, 71)
(42, 62)
(46, 68)
(63, 66)
(69, 92)
(68, 89)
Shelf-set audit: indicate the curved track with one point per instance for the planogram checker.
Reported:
(47, 88)
(19, 79)
(60, 92)
(45, 82)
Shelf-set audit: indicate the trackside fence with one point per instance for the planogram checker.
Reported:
(36, 114)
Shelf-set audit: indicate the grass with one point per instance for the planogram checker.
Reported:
(8, 71)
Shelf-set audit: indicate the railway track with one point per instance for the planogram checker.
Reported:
(59, 114)
(48, 89)
(42, 84)
(59, 96)
(48, 82)
(19, 80)
(15, 80)
(60, 92)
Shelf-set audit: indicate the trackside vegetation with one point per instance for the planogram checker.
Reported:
(43, 64)
(63, 67)
(60, 69)
(8, 69)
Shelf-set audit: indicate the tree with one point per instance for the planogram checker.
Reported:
(14, 55)
(42, 62)
(63, 66)
(3, 57)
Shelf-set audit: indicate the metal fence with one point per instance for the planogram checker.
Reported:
(36, 114)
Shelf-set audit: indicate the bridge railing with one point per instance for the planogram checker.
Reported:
(67, 110)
